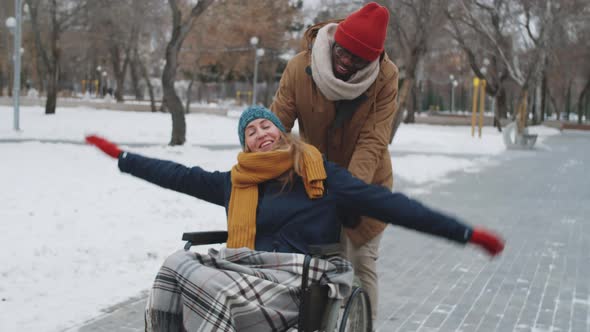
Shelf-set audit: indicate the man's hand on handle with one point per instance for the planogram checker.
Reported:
(106, 146)
(489, 241)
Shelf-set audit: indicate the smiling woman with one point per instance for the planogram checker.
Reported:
(261, 135)
(259, 129)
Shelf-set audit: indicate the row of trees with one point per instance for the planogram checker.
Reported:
(530, 49)
(137, 40)
(533, 51)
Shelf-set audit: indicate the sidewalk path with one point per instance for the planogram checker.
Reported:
(539, 200)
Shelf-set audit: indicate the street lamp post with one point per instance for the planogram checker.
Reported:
(10, 24)
(258, 52)
(14, 24)
(99, 89)
(454, 84)
(484, 71)
(451, 79)
(105, 82)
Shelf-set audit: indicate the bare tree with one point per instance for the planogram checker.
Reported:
(476, 52)
(120, 61)
(146, 77)
(546, 14)
(61, 16)
(516, 34)
(577, 50)
(7, 8)
(147, 50)
(116, 25)
(415, 24)
(180, 29)
(568, 68)
(135, 72)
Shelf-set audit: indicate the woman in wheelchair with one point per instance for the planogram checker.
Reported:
(280, 198)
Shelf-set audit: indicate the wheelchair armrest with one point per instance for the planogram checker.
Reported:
(323, 250)
(201, 238)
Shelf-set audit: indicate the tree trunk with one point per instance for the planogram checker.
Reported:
(133, 70)
(556, 109)
(537, 103)
(414, 75)
(402, 103)
(414, 91)
(119, 70)
(146, 78)
(522, 114)
(174, 105)
(188, 95)
(544, 96)
(120, 88)
(568, 98)
(501, 107)
(502, 103)
(496, 121)
(52, 87)
(163, 107)
(9, 83)
(172, 102)
(40, 74)
(582, 99)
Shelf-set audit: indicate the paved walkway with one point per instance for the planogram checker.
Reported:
(538, 200)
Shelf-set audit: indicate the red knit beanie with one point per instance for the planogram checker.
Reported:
(363, 32)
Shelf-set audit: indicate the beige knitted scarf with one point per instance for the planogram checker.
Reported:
(323, 76)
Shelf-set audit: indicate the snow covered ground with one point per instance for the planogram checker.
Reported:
(77, 236)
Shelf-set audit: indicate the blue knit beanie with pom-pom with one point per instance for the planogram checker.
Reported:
(256, 112)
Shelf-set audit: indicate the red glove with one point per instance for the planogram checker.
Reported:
(491, 242)
(107, 147)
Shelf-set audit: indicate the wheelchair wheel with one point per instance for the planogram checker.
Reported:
(357, 313)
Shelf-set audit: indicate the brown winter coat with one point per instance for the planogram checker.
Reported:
(358, 140)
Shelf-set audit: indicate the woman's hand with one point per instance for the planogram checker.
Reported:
(489, 241)
(107, 147)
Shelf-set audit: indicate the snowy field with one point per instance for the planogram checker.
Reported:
(78, 236)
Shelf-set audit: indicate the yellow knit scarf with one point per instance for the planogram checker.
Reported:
(257, 167)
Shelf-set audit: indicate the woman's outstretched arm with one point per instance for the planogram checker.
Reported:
(194, 181)
(378, 202)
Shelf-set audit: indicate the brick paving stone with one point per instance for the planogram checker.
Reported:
(435, 320)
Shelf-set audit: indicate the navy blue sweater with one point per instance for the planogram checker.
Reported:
(289, 221)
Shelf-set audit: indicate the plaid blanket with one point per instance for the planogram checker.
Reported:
(237, 290)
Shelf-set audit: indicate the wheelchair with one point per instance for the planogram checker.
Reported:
(317, 312)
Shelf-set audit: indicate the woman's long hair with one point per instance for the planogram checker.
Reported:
(297, 148)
